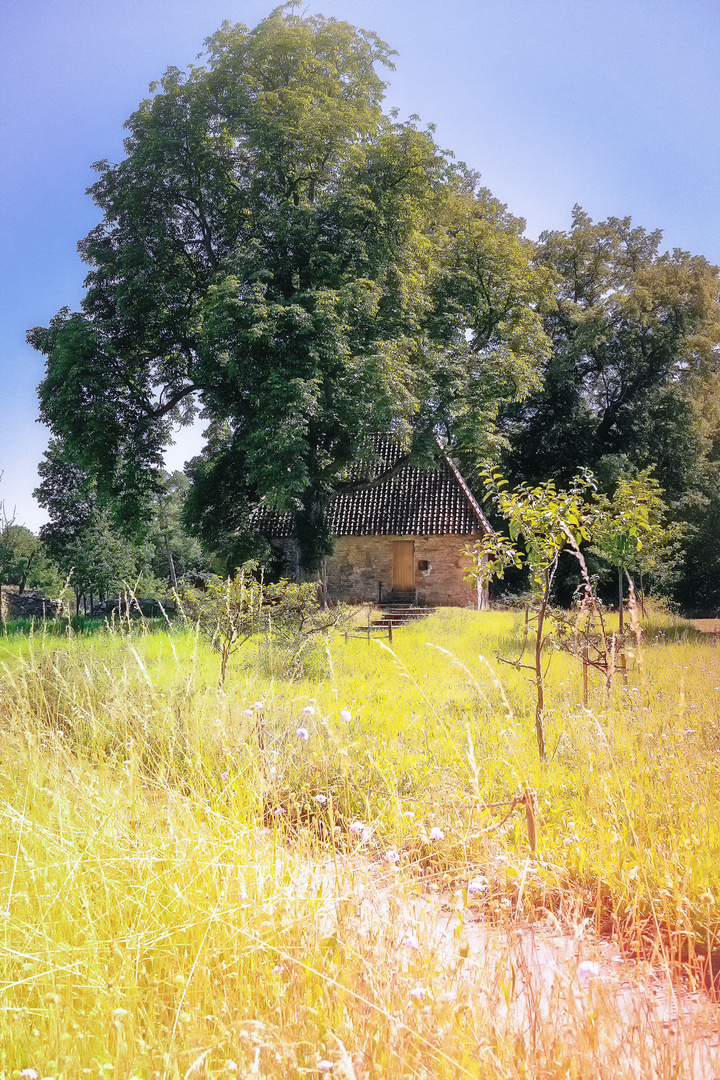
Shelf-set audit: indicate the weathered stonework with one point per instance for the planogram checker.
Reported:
(32, 605)
(361, 569)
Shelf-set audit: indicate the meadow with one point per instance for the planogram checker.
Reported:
(356, 873)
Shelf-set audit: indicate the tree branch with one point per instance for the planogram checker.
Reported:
(354, 486)
(163, 410)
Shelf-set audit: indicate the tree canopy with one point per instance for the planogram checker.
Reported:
(279, 254)
(631, 382)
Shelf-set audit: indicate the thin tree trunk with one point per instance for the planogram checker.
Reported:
(621, 597)
(23, 579)
(539, 685)
(171, 564)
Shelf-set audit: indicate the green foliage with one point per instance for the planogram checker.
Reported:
(229, 611)
(305, 275)
(630, 382)
(286, 615)
(543, 522)
(24, 558)
(97, 555)
(630, 532)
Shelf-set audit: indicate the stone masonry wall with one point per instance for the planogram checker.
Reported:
(360, 562)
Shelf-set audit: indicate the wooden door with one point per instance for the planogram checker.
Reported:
(403, 565)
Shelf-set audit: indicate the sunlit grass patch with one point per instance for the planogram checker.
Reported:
(237, 873)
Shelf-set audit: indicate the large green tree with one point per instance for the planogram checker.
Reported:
(279, 253)
(631, 381)
(635, 335)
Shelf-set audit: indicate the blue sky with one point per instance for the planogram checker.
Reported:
(614, 104)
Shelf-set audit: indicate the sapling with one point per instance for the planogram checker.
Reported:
(547, 522)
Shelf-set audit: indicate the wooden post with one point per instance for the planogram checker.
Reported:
(390, 631)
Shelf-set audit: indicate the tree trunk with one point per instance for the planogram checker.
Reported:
(539, 685)
(23, 579)
(171, 564)
(621, 597)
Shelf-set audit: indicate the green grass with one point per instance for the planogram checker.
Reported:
(175, 893)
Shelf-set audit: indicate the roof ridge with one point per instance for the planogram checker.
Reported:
(465, 488)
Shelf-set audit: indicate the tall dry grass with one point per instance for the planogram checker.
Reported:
(190, 889)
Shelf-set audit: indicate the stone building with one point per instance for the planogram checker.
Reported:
(400, 539)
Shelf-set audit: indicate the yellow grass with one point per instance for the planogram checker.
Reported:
(176, 900)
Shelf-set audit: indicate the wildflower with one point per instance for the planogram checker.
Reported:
(477, 885)
(322, 799)
(418, 993)
(279, 810)
(411, 942)
(436, 834)
(392, 855)
(587, 970)
(346, 715)
(247, 712)
(409, 814)
(357, 827)
(259, 706)
(29, 1074)
(324, 1066)
(309, 710)
(502, 860)
(224, 776)
(278, 969)
(302, 734)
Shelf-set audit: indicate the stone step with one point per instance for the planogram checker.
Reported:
(400, 614)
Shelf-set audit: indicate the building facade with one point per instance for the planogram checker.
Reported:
(400, 538)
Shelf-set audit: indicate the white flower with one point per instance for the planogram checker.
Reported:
(502, 860)
(247, 712)
(392, 855)
(324, 1066)
(322, 799)
(224, 776)
(302, 734)
(278, 969)
(309, 710)
(436, 834)
(411, 942)
(259, 706)
(587, 969)
(409, 814)
(477, 885)
(29, 1074)
(418, 993)
(279, 810)
(346, 715)
(357, 827)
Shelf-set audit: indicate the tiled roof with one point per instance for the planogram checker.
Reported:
(412, 502)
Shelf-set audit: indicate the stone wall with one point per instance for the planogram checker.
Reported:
(30, 605)
(360, 564)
